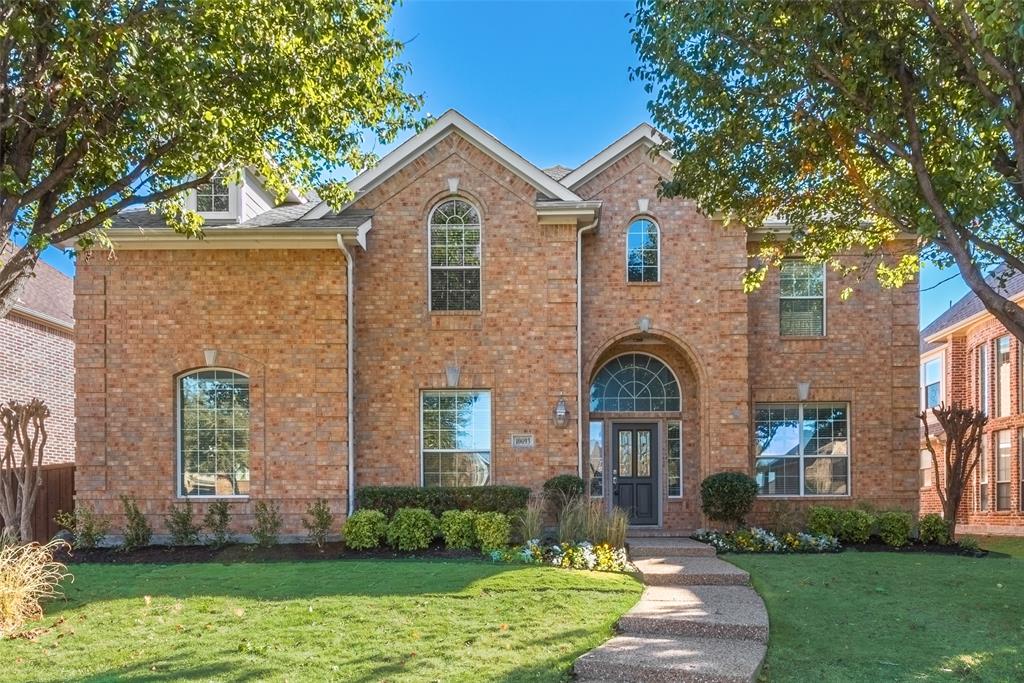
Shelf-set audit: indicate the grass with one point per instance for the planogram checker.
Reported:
(893, 617)
(358, 620)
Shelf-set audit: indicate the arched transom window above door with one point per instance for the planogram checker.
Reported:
(633, 383)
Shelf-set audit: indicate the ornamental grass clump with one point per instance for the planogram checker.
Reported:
(365, 529)
(413, 529)
(530, 520)
(28, 576)
(458, 528)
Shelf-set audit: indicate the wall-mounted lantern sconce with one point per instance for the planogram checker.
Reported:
(451, 374)
(803, 390)
(644, 323)
(561, 413)
(211, 356)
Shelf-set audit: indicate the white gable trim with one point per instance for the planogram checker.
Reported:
(452, 120)
(642, 133)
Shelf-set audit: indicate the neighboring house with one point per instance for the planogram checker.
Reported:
(967, 356)
(477, 299)
(37, 350)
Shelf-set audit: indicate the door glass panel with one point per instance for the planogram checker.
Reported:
(643, 453)
(625, 454)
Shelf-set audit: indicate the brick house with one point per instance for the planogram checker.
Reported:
(503, 324)
(37, 348)
(968, 356)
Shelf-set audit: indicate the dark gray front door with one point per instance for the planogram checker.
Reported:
(635, 470)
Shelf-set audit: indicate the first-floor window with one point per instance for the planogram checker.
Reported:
(674, 458)
(927, 469)
(596, 459)
(1004, 447)
(213, 440)
(456, 441)
(802, 449)
(983, 474)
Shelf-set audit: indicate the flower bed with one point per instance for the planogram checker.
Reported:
(756, 540)
(579, 555)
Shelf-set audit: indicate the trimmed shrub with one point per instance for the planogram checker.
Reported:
(894, 528)
(822, 519)
(727, 496)
(365, 529)
(855, 525)
(267, 528)
(493, 531)
(88, 529)
(437, 499)
(218, 522)
(181, 524)
(564, 485)
(412, 529)
(28, 575)
(318, 522)
(458, 527)
(137, 532)
(932, 528)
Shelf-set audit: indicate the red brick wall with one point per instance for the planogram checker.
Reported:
(277, 316)
(37, 361)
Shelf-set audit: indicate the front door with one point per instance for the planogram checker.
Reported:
(635, 470)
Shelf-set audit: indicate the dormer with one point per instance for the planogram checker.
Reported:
(217, 199)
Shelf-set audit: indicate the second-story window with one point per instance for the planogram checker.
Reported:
(983, 378)
(643, 261)
(801, 299)
(214, 196)
(1003, 408)
(931, 380)
(454, 256)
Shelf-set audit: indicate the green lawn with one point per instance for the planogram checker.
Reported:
(362, 620)
(893, 617)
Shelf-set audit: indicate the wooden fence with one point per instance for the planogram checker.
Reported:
(58, 493)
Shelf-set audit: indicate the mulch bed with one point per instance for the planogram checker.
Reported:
(158, 554)
(876, 546)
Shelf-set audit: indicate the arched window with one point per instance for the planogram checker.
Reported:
(643, 261)
(454, 256)
(213, 433)
(634, 382)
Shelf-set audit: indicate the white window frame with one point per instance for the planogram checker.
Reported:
(431, 266)
(926, 465)
(232, 212)
(668, 441)
(179, 454)
(490, 447)
(801, 456)
(982, 475)
(823, 297)
(1009, 468)
(599, 424)
(1003, 409)
(657, 232)
(982, 368)
(925, 362)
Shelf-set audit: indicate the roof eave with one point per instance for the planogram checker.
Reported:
(311, 237)
(943, 332)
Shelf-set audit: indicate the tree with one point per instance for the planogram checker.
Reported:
(963, 427)
(22, 425)
(108, 104)
(856, 122)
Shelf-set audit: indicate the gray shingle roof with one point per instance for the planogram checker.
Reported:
(284, 216)
(970, 305)
(47, 291)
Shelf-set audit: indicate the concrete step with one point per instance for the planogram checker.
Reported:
(691, 571)
(641, 532)
(708, 611)
(647, 548)
(653, 660)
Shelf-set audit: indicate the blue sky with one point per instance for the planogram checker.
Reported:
(549, 79)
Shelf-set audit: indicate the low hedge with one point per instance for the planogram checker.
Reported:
(412, 529)
(365, 529)
(389, 499)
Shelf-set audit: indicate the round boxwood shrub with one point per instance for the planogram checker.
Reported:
(365, 529)
(412, 529)
(727, 496)
(493, 531)
(564, 486)
(894, 528)
(822, 519)
(458, 527)
(855, 525)
(933, 529)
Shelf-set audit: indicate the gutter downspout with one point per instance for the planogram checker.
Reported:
(350, 344)
(579, 341)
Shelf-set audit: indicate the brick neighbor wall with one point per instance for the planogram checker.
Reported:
(37, 361)
(277, 316)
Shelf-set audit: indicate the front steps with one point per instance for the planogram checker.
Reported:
(698, 620)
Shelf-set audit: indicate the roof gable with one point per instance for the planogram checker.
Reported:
(970, 306)
(409, 150)
(644, 134)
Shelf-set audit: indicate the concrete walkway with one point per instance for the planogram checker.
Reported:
(698, 620)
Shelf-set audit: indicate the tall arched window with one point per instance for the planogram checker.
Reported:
(454, 256)
(213, 433)
(643, 260)
(634, 382)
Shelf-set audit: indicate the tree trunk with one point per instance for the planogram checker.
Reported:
(14, 275)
